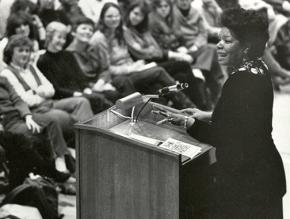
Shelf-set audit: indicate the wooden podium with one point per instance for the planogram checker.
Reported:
(119, 177)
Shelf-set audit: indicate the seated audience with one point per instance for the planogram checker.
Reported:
(30, 84)
(17, 118)
(280, 6)
(28, 154)
(26, 6)
(138, 37)
(164, 27)
(276, 53)
(96, 75)
(5, 6)
(142, 45)
(195, 40)
(68, 13)
(20, 160)
(180, 28)
(48, 13)
(70, 10)
(109, 42)
(19, 23)
(22, 5)
(210, 12)
(92, 8)
(59, 65)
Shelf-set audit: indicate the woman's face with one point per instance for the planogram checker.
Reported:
(23, 29)
(84, 32)
(57, 42)
(112, 18)
(229, 49)
(47, 4)
(163, 9)
(21, 56)
(136, 16)
(184, 4)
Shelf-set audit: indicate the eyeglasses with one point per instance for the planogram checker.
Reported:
(113, 16)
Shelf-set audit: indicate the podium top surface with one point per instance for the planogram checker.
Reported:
(145, 132)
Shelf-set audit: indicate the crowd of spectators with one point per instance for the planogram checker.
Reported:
(62, 61)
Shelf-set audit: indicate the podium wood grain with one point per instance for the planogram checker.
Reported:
(121, 178)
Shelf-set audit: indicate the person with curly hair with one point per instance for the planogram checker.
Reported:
(249, 179)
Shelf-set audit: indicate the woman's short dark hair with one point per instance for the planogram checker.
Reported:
(144, 8)
(16, 20)
(102, 26)
(83, 20)
(249, 27)
(22, 5)
(14, 41)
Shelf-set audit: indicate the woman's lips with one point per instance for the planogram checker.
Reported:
(221, 54)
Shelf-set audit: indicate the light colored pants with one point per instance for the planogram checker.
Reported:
(78, 107)
(20, 211)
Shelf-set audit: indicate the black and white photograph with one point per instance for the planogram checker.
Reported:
(144, 109)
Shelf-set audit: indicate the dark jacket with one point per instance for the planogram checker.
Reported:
(63, 71)
(10, 102)
(248, 163)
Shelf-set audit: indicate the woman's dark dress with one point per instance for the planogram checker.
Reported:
(249, 177)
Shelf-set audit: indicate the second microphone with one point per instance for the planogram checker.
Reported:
(173, 88)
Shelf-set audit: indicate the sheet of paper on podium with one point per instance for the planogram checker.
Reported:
(145, 139)
(181, 147)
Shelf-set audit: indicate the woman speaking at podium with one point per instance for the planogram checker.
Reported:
(249, 179)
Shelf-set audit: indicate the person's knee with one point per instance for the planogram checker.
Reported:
(160, 72)
(164, 76)
(82, 109)
(82, 101)
(59, 117)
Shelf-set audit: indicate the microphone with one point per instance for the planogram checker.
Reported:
(129, 101)
(173, 88)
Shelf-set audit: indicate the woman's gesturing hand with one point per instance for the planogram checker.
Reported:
(31, 124)
(197, 114)
(181, 120)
